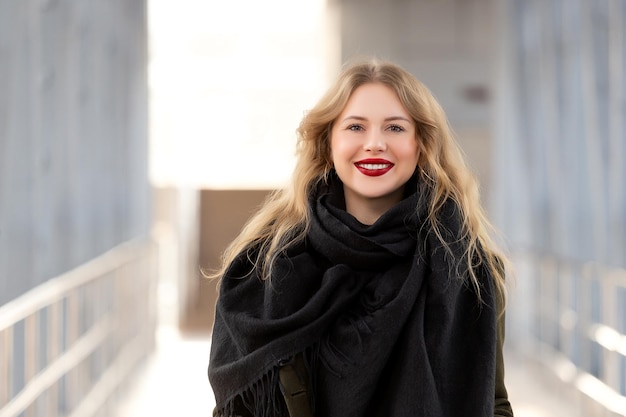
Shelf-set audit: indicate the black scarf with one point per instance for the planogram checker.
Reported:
(386, 317)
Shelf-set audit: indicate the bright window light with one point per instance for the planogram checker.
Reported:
(229, 83)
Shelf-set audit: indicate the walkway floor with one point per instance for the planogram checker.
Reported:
(174, 382)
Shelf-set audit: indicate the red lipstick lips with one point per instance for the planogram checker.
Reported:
(373, 167)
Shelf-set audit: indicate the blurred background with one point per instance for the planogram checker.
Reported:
(136, 136)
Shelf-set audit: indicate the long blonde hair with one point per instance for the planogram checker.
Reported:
(284, 217)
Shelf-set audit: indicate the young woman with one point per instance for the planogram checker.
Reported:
(370, 285)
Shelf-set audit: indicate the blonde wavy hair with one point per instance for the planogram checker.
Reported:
(284, 217)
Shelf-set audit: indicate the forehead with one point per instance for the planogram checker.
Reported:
(374, 99)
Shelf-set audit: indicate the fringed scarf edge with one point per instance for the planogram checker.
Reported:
(264, 397)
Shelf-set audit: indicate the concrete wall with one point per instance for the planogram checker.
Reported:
(73, 134)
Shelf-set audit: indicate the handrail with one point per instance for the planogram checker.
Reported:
(60, 367)
(55, 288)
(98, 320)
(570, 318)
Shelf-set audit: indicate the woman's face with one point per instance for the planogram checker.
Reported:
(373, 147)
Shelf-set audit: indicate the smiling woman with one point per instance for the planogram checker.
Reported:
(374, 151)
(370, 285)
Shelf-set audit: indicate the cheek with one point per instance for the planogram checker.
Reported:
(408, 150)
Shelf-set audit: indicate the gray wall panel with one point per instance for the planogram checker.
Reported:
(73, 134)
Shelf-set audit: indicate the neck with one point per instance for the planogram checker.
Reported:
(368, 210)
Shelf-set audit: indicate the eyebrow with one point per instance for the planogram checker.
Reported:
(387, 119)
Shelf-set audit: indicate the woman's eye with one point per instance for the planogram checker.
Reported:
(355, 128)
(396, 128)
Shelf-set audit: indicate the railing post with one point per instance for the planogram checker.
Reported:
(586, 280)
(6, 360)
(72, 385)
(53, 350)
(31, 360)
(610, 358)
(567, 315)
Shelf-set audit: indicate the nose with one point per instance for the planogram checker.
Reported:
(375, 142)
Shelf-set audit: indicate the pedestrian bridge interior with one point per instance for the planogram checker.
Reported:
(131, 135)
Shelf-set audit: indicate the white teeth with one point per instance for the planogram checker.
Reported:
(374, 166)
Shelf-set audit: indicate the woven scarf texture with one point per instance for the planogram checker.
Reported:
(386, 317)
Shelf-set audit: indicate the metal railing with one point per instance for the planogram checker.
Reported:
(67, 346)
(574, 314)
